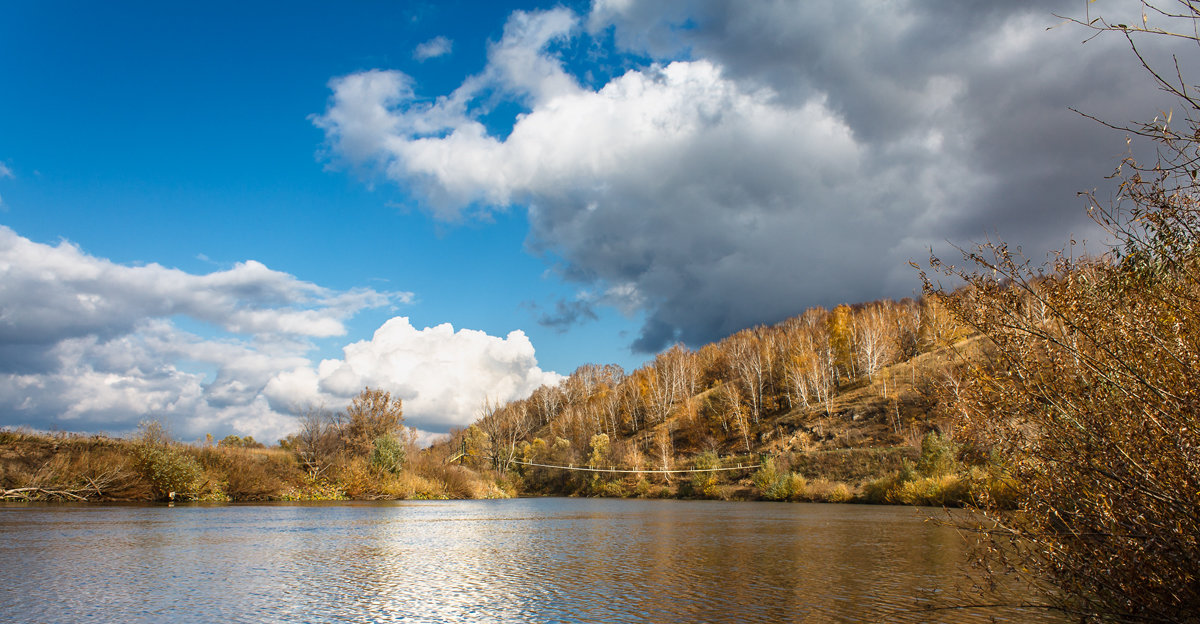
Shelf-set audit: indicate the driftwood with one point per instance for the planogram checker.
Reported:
(36, 493)
(91, 487)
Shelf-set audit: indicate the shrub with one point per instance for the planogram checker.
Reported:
(354, 476)
(839, 493)
(254, 478)
(704, 484)
(1091, 391)
(766, 475)
(613, 489)
(234, 441)
(938, 454)
(388, 454)
(409, 484)
(879, 490)
(790, 486)
(168, 469)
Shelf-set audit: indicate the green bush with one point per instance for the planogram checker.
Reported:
(792, 486)
(878, 490)
(908, 487)
(388, 454)
(169, 470)
(704, 484)
(938, 455)
(612, 489)
(766, 475)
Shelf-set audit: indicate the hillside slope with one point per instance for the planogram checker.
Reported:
(845, 396)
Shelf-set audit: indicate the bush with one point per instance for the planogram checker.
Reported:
(938, 455)
(792, 486)
(170, 471)
(909, 486)
(766, 475)
(409, 484)
(839, 493)
(388, 454)
(782, 487)
(257, 477)
(613, 489)
(704, 484)
(234, 441)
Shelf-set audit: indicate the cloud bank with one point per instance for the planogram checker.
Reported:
(90, 345)
(768, 157)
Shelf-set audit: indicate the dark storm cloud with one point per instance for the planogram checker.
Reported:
(796, 154)
(566, 314)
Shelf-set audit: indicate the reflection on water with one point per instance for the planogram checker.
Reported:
(527, 560)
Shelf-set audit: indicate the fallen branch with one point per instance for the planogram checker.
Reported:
(31, 493)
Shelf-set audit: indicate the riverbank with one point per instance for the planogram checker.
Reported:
(937, 473)
(82, 468)
(100, 468)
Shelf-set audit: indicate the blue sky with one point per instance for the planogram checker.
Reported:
(180, 134)
(207, 206)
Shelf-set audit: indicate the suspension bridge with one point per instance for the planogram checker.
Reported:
(611, 469)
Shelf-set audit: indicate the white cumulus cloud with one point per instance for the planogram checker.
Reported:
(87, 344)
(438, 46)
(442, 375)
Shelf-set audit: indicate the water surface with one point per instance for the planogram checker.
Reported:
(522, 560)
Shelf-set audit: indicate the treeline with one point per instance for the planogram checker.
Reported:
(822, 380)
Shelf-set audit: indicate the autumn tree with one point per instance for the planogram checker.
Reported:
(750, 360)
(936, 326)
(545, 403)
(731, 399)
(372, 414)
(822, 376)
(875, 343)
(839, 326)
(670, 379)
(1092, 390)
(504, 426)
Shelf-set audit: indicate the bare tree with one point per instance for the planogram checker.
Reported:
(318, 440)
(751, 364)
(874, 339)
(505, 427)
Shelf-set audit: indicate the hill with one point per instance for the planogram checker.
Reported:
(841, 403)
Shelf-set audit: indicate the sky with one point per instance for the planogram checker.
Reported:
(221, 215)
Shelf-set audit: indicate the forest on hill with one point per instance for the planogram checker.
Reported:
(830, 400)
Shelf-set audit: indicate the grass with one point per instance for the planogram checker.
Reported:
(98, 468)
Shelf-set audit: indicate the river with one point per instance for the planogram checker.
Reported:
(519, 560)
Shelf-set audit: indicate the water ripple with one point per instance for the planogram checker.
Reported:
(529, 560)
